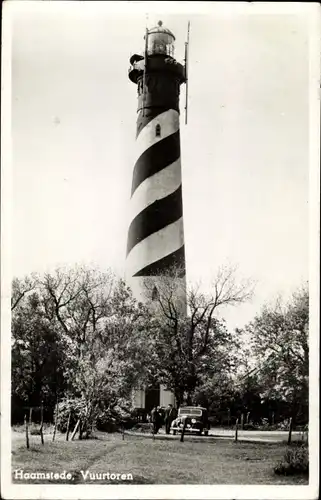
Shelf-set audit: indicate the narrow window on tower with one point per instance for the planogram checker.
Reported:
(158, 130)
(155, 293)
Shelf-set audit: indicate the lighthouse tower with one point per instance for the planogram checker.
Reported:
(155, 241)
(156, 236)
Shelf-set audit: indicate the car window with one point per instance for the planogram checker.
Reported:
(190, 411)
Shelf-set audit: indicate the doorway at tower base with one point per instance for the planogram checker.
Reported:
(148, 398)
(166, 397)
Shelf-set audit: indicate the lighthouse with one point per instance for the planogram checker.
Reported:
(155, 242)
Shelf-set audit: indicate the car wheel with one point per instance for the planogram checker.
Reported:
(205, 433)
(174, 433)
(200, 432)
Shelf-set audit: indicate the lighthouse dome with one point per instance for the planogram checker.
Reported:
(161, 29)
(160, 41)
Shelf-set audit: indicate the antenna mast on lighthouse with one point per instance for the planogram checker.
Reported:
(186, 72)
(145, 63)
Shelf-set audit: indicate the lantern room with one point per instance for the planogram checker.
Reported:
(160, 41)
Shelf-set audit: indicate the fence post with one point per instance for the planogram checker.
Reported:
(41, 423)
(242, 421)
(236, 429)
(248, 417)
(123, 432)
(273, 417)
(228, 417)
(56, 421)
(290, 431)
(27, 434)
(68, 425)
(81, 429)
(75, 430)
(183, 431)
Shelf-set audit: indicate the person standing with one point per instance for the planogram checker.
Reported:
(154, 418)
(169, 417)
(159, 418)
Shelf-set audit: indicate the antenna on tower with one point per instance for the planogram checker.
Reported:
(186, 72)
(145, 64)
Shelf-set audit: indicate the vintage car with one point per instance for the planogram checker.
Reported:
(195, 418)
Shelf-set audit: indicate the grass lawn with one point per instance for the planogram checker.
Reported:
(159, 461)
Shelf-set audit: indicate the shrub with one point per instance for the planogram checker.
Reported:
(296, 461)
(76, 407)
(284, 425)
(214, 421)
(99, 417)
(143, 427)
(249, 427)
(34, 431)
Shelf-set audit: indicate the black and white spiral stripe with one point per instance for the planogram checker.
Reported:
(156, 237)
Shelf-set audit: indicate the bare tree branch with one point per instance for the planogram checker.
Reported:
(20, 288)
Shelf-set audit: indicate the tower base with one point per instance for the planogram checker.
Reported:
(148, 398)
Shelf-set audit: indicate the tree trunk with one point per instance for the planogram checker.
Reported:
(236, 430)
(27, 433)
(41, 425)
(56, 421)
(68, 426)
(75, 430)
(290, 431)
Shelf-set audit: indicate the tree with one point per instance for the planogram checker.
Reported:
(84, 325)
(191, 341)
(21, 287)
(79, 300)
(117, 361)
(216, 392)
(37, 356)
(280, 344)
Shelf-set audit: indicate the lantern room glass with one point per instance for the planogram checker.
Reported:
(160, 43)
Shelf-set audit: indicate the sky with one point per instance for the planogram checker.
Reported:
(245, 149)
